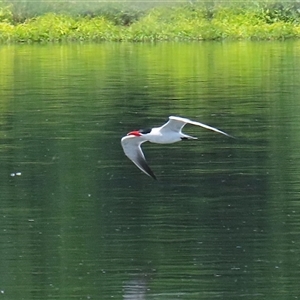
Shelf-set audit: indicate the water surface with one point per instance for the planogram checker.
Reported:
(80, 221)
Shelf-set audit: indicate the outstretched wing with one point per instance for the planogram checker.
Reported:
(132, 149)
(176, 124)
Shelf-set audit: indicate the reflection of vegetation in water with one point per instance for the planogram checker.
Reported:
(192, 21)
(62, 120)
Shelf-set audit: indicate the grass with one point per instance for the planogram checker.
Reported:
(184, 22)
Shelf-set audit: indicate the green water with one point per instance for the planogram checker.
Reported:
(79, 221)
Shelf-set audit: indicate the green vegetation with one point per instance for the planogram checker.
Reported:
(182, 22)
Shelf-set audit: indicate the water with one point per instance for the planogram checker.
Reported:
(80, 221)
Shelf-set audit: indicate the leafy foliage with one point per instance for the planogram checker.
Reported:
(193, 21)
(289, 12)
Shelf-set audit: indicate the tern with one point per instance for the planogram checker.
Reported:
(170, 132)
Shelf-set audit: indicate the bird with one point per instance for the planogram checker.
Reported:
(170, 132)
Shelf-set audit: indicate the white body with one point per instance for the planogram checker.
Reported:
(166, 134)
(159, 137)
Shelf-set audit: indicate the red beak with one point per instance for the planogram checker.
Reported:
(135, 133)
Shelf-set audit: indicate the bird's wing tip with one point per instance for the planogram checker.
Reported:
(151, 174)
(231, 136)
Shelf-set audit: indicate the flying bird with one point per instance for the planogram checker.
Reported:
(169, 133)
